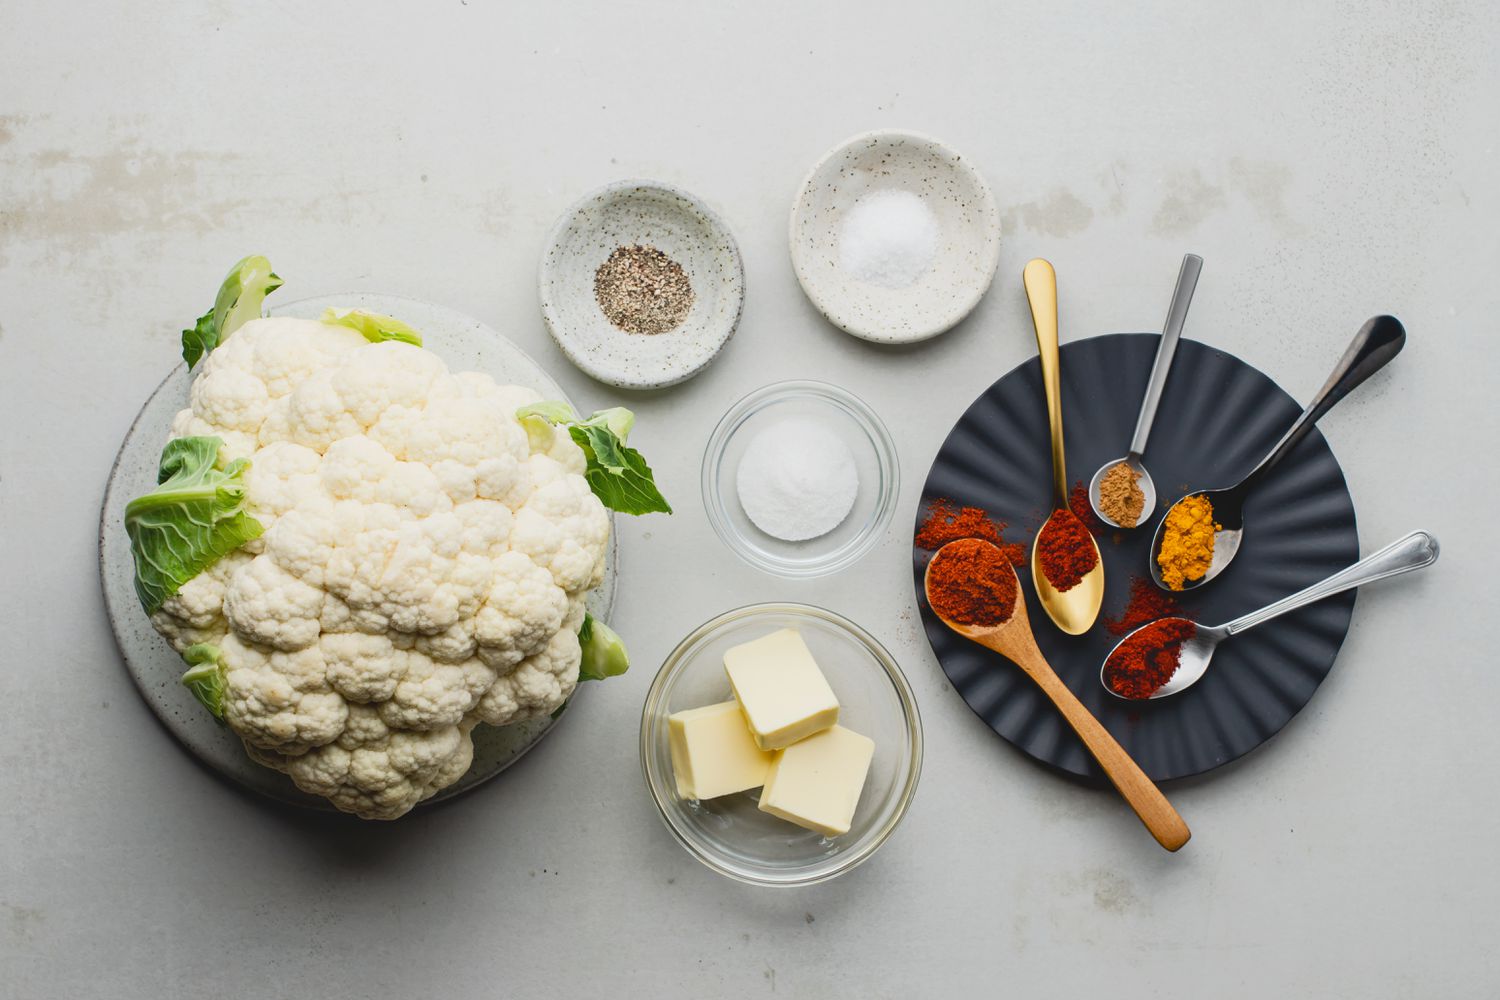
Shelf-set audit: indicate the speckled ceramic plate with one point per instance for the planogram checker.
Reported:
(1218, 416)
(651, 214)
(466, 345)
(968, 245)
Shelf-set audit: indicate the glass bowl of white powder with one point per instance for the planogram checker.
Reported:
(800, 478)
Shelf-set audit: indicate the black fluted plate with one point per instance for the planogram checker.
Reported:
(1217, 418)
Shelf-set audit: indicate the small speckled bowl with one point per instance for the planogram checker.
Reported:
(968, 236)
(679, 225)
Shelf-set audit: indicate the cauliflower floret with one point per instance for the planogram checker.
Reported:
(280, 701)
(283, 353)
(422, 569)
(231, 398)
(363, 668)
(433, 694)
(562, 526)
(521, 612)
(377, 377)
(537, 686)
(266, 604)
(200, 602)
(454, 644)
(196, 612)
(376, 772)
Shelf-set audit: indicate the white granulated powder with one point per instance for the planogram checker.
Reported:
(797, 480)
(889, 238)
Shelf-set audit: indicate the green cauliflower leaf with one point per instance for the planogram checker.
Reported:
(604, 652)
(374, 327)
(205, 676)
(194, 517)
(618, 474)
(239, 301)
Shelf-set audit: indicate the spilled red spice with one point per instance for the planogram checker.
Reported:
(947, 522)
(1148, 658)
(971, 582)
(1078, 503)
(1065, 550)
(1147, 604)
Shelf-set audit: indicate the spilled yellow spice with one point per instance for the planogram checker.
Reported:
(1187, 544)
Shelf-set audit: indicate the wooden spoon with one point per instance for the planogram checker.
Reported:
(1013, 640)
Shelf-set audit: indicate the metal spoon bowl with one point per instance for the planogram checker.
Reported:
(1373, 347)
(1142, 481)
(1415, 551)
(1182, 297)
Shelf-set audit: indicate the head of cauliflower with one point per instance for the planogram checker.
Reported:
(422, 570)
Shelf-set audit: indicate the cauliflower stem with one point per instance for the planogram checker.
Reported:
(239, 300)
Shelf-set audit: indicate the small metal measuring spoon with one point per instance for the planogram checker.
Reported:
(1376, 343)
(1415, 551)
(1182, 297)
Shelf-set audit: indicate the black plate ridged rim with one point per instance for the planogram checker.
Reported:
(1217, 417)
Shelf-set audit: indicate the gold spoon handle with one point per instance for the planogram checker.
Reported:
(1123, 772)
(1041, 293)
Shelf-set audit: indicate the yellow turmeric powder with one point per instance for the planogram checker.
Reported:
(1187, 544)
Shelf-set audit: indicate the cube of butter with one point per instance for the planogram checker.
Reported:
(816, 782)
(781, 689)
(713, 752)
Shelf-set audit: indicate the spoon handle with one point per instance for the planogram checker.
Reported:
(1124, 773)
(1415, 551)
(1041, 293)
(1182, 297)
(1376, 343)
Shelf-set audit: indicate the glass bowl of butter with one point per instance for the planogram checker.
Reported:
(781, 743)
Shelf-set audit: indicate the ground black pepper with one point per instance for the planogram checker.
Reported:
(642, 290)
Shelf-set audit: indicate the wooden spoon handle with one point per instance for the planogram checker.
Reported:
(1124, 773)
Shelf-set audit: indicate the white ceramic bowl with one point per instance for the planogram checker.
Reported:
(855, 424)
(968, 244)
(730, 834)
(679, 225)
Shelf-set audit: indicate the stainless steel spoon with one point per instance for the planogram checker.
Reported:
(1415, 551)
(1376, 343)
(1182, 297)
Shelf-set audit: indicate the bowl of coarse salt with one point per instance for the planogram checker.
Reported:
(895, 236)
(800, 478)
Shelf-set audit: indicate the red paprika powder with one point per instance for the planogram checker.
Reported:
(1065, 550)
(1148, 658)
(1147, 604)
(947, 522)
(972, 582)
(1078, 503)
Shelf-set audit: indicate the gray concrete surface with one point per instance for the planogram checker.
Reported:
(1329, 161)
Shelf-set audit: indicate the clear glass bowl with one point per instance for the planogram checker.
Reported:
(730, 834)
(847, 416)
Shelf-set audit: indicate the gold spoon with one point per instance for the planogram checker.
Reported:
(1013, 640)
(1075, 609)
